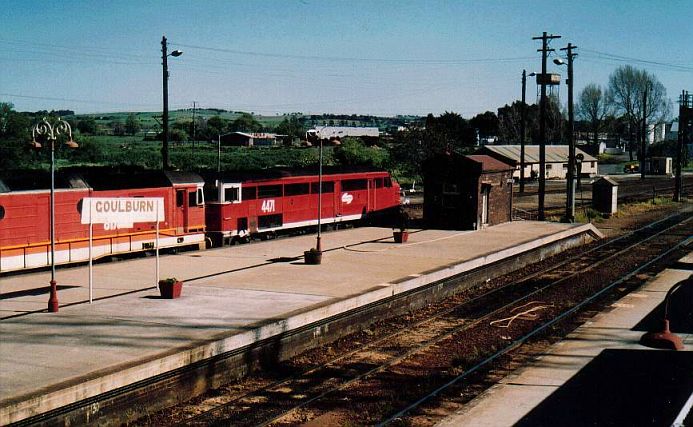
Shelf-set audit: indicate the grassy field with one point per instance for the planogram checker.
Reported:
(150, 121)
(133, 151)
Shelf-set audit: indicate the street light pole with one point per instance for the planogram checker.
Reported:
(570, 181)
(52, 132)
(318, 246)
(164, 63)
(523, 119)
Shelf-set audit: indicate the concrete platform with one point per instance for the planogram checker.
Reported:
(599, 374)
(232, 298)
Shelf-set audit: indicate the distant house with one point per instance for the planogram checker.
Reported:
(556, 160)
(243, 139)
(337, 134)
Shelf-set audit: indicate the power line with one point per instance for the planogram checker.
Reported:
(353, 59)
(621, 58)
(83, 101)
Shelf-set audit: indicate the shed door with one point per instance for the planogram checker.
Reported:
(485, 190)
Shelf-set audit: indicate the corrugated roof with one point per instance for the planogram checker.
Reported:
(489, 164)
(554, 153)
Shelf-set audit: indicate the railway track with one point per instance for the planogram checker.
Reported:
(408, 362)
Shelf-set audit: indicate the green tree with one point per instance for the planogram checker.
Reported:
(132, 124)
(353, 151)
(593, 107)
(215, 126)
(245, 123)
(292, 127)
(87, 125)
(486, 123)
(15, 131)
(627, 86)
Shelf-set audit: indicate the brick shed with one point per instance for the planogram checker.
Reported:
(467, 192)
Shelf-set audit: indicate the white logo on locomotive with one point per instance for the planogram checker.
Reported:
(347, 198)
(267, 205)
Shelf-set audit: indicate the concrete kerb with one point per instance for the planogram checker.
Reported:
(96, 383)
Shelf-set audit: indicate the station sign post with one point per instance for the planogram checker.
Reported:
(120, 212)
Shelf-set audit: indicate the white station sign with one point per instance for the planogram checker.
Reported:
(121, 212)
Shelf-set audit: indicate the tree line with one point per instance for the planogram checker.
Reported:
(619, 107)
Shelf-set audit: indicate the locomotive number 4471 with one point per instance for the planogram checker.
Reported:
(267, 205)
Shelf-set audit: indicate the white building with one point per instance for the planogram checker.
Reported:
(334, 132)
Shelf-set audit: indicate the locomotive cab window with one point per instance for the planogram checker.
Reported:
(2, 212)
(196, 198)
(388, 182)
(378, 182)
(180, 198)
(230, 193)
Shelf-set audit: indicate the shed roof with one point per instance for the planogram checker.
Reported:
(606, 180)
(554, 153)
(489, 164)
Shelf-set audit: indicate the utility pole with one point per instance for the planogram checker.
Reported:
(164, 125)
(572, 172)
(164, 135)
(193, 126)
(685, 118)
(643, 139)
(523, 117)
(542, 121)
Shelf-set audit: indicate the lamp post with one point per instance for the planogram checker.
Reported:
(570, 184)
(318, 246)
(51, 133)
(523, 119)
(164, 63)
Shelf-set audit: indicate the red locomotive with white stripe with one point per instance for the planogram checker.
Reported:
(246, 205)
(239, 207)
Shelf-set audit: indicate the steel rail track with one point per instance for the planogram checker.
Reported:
(516, 343)
(204, 415)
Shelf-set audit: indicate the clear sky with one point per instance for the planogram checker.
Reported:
(323, 56)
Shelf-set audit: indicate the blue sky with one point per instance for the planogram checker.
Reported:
(321, 56)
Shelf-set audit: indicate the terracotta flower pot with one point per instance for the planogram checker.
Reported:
(400, 236)
(170, 289)
(312, 257)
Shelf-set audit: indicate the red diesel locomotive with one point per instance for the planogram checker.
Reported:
(244, 205)
(240, 207)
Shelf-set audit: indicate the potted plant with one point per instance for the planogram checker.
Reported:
(402, 235)
(313, 256)
(170, 288)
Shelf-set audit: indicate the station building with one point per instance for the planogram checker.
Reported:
(467, 192)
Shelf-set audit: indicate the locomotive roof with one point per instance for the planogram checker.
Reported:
(96, 178)
(285, 172)
(38, 180)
